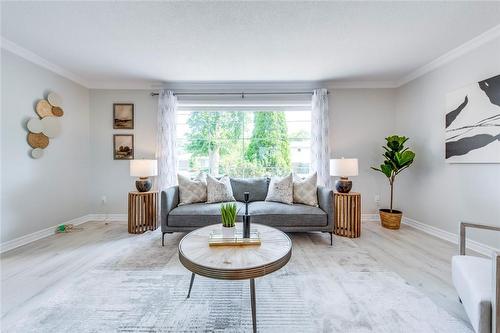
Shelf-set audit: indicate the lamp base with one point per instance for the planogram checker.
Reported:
(343, 185)
(143, 184)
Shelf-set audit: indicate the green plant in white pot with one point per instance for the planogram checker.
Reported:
(397, 158)
(228, 215)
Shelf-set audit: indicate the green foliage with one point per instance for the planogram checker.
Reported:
(234, 165)
(218, 136)
(397, 158)
(213, 134)
(228, 214)
(269, 146)
(211, 131)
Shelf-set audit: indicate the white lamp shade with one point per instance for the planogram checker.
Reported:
(143, 168)
(344, 167)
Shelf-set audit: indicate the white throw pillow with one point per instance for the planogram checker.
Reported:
(281, 190)
(192, 190)
(305, 191)
(219, 190)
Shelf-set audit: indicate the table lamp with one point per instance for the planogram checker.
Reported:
(343, 168)
(143, 169)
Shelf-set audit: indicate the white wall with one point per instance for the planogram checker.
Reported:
(111, 178)
(37, 194)
(432, 191)
(69, 183)
(360, 120)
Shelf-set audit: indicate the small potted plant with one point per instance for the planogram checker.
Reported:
(228, 214)
(397, 159)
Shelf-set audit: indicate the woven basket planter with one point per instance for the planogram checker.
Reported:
(390, 220)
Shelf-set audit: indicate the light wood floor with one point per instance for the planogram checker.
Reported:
(422, 260)
(31, 272)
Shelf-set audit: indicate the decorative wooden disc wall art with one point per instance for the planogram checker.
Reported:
(46, 125)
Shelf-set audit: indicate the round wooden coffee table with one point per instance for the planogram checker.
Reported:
(235, 262)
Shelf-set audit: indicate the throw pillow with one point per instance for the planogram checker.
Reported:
(305, 191)
(281, 190)
(219, 190)
(192, 190)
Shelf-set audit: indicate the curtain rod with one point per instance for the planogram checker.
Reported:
(242, 94)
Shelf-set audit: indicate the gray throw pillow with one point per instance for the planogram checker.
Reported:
(281, 190)
(192, 190)
(219, 190)
(305, 191)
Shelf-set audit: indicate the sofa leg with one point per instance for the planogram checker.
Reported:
(163, 238)
(331, 238)
(460, 300)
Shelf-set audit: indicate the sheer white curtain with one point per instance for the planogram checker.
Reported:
(165, 147)
(320, 143)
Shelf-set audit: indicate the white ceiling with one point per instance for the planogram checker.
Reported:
(104, 42)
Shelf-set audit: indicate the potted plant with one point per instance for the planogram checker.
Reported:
(228, 214)
(397, 159)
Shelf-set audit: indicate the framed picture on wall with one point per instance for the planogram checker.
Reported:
(473, 123)
(123, 116)
(123, 146)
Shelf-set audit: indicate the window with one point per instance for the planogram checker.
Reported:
(243, 143)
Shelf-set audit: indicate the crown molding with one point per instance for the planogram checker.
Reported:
(124, 85)
(190, 85)
(361, 84)
(37, 60)
(272, 85)
(448, 57)
(247, 86)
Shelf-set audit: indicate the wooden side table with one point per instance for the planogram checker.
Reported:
(347, 214)
(142, 210)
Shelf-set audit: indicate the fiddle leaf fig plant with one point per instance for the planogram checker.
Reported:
(397, 158)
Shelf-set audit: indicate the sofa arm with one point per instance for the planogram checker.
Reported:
(169, 200)
(325, 201)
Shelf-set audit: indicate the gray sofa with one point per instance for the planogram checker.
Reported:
(289, 218)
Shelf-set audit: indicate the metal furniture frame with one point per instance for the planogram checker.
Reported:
(495, 261)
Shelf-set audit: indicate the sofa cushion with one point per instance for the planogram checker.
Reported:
(472, 278)
(278, 214)
(219, 190)
(192, 190)
(257, 187)
(199, 214)
(305, 191)
(281, 190)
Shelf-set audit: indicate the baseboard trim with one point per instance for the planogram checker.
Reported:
(26, 239)
(370, 217)
(439, 233)
(450, 237)
(107, 217)
(433, 231)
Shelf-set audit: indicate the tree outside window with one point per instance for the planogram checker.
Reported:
(243, 143)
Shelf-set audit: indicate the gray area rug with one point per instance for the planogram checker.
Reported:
(143, 288)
